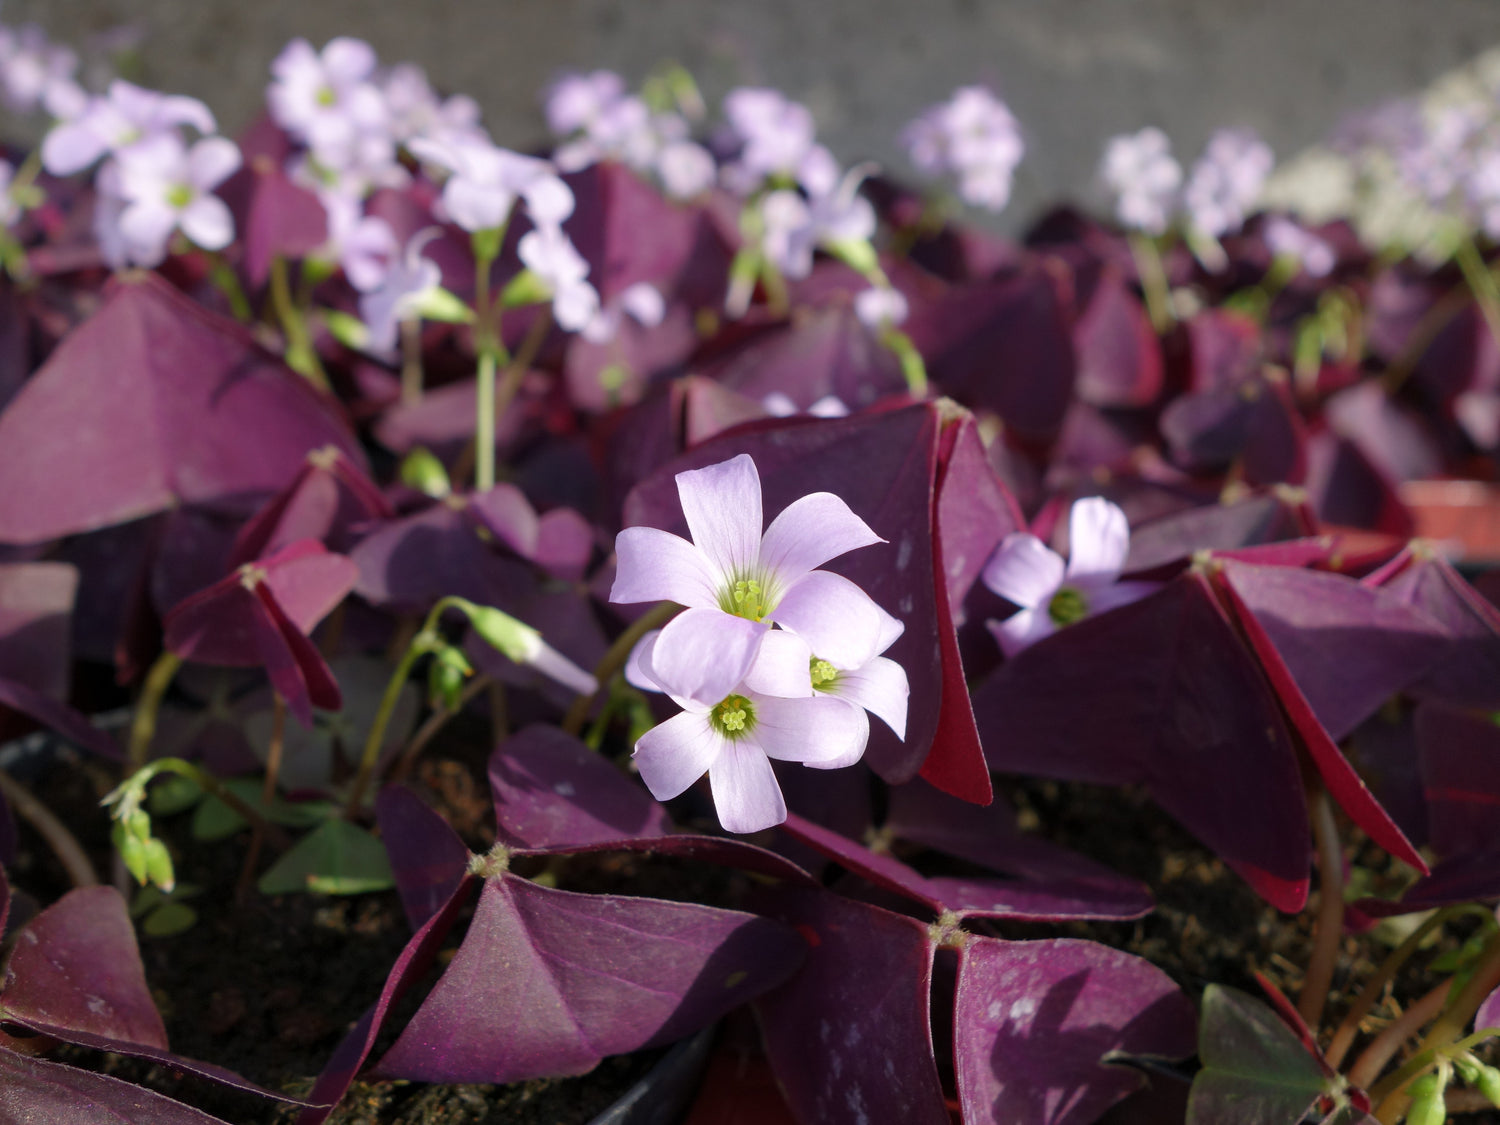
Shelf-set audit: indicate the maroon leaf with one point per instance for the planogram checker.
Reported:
(37, 1090)
(1267, 518)
(282, 219)
(1174, 702)
(325, 500)
(584, 976)
(76, 968)
(552, 792)
(428, 860)
(1119, 356)
(842, 1049)
(915, 475)
(58, 717)
(1036, 1022)
(1459, 754)
(151, 402)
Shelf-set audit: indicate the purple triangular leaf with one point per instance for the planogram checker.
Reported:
(552, 791)
(1035, 1023)
(843, 1050)
(36, 605)
(329, 496)
(1119, 355)
(151, 402)
(37, 1090)
(428, 860)
(1459, 755)
(585, 976)
(76, 967)
(58, 717)
(1173, 702)
(1266, 518)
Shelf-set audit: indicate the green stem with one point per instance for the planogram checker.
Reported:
(1343, 1038)
(212, 785)
(515, 371)
(484, 421)
(424, 642)
(411, 360)
(1477, 273)
(429, 729)
(301, 356)
(1153, 276)
(228, 282)
(615, 659)
(143, 723)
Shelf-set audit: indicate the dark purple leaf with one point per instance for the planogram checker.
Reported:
(1394, 438)
(49, 1092)
(551, 791)
(1255, 1069)
(1253, 423)
(4, 889)
(1459, 756)
(1267, 518)
(151, 402)
(1173, 702)
(1005, 345)
(1468, 672)
(582, 977)
(1035, 1023)
(1119, 356)
(1349, 489)
(339, 1071)
(282, 219)
(889, 467)
(76, 968)
(58, 717)
(428, 859)
(843, 1050)
(8, 840)
(1348, 646)
(1224, 349)
(819, 352)
(1384, 750)
(602, 377)
(36, 604)
(327, 498)
(442, 420)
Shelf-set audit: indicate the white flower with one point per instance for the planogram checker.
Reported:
(485, 181)
(328, 99)
(1051, 594)
(161, 186)
(1140, 170)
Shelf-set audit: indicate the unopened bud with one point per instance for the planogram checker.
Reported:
(420, 469)
(1427, 1104)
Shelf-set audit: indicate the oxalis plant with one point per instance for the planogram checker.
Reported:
(788, 556)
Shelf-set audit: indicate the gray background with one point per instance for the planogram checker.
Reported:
(1073, 71)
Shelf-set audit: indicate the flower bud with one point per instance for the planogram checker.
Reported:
(420, 469)
(1427, 1105)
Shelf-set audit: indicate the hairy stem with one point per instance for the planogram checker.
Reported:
(143, 724)
(614, 660)
(54, 832)
(1330, 927)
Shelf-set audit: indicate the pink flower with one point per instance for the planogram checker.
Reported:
(774, 713)
(549, 254)
(398, 295)
(127, 116)
(973, 136)
(160, 186)
(485, 181)
(737, 581)
(1051, 594)
(327, 99)
(1140, 170)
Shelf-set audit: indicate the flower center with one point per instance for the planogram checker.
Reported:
(824, 674)
(327, 96)
(1067, 606)
(747, 598)
(179, 196)
(734, 716)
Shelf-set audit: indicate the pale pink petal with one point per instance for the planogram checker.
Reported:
(674, 754)
(1024, 570)
(208, 222)
(722, 506)
(810, 531)
(348, 60)
(145, 227)
(638, 672)
(745, 790)
(703, 654)
(834, 616)
(782, 667)
(212, 161)
(822, 731)
(1098, 539)
(176, 109)
(1105, 598)
(71, 147)
(475, 205)
(656, 566)
(891, 629)
(1021, 630)
(879, 687)
(555, 666)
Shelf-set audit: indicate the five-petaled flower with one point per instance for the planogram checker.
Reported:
(735, 581)
(1052, 594)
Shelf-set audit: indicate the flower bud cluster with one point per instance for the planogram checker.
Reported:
(772, 659)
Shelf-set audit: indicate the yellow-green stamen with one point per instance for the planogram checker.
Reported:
(1067, 606)
(824, 674)
(734, 716)
(747, 598)
(179, 196)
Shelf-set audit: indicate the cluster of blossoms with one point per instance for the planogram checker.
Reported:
(1051, 593)
(598, 120)
(1147, 181)
(974, 138)
(750, 692)
(37, 74)
(152, 182)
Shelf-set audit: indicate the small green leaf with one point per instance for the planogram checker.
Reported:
(174, 794)
(214, 820)
(437, 303)
(169, 918)
(336, 858)
(347, 329)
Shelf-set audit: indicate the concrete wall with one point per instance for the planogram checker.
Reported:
(1074, 71)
